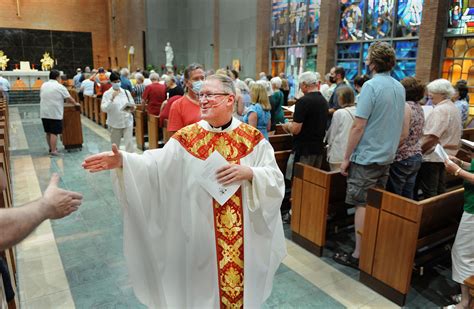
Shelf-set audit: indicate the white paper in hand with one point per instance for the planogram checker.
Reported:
(209, 182)
(439, 150)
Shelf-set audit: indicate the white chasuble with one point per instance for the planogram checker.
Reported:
(183, 249)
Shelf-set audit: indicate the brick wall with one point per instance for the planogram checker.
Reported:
(85, 16)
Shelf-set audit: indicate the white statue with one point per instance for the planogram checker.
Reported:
(169, 55)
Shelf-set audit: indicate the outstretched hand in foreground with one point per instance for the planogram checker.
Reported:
(103, 161)
(57, 203)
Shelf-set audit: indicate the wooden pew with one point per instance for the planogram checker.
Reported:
(469, 282)
(72, 127)
(91, 107)
(279, 129)
(140, 128)
(96, 107)
(281, 141)
(282, 159)
(400, 234)
(153, 131)
(315, 195)
(87, 106)
(102, 117)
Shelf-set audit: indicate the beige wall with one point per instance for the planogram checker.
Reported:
(85, 16)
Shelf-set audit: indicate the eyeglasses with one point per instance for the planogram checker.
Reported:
(210, 96)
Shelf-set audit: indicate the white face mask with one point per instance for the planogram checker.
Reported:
(116, 86)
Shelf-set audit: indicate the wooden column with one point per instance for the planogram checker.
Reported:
(430, 44)
(328, 32)
(264, 11)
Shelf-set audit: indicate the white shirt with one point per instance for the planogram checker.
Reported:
(4, 84)
(147, 82)
(88, 86)
(52, 96)
(115, 117)
(169, 233)
(338, 133)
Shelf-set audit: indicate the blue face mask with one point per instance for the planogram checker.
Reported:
(116, 86)
(197, 86)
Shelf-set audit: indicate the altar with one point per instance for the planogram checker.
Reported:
(27, 76)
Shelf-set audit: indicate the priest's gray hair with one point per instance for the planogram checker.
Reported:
(226, 82)
(308, 78)
(441, 86)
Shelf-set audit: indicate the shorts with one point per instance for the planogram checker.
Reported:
(52, 126)
(363, 177)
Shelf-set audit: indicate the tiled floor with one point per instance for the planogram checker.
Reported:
(78, 261)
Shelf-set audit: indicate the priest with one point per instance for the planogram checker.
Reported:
(183, 249)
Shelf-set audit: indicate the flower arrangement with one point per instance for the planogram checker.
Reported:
(3, 60)
(47, 62)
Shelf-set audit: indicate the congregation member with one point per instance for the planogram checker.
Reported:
(172, 89)
(87, 86)
(285, 88)
(338, 132)
(461, 99)
(462, 252)
(336, 76)
(154, 95)
(138, 88)
(258, 114)
(147, 80)
(443, 126)
(309, 124)
(52, 97)
(276, 101)
(100, 79)
(125, 82)
(236, 247)
(106, 84)
(77, 79)
(245, 93)
(4, 86)
(119, 120)
(373, 138)
(327, 88)
(359, 81)
(408, 158)
(186, 110)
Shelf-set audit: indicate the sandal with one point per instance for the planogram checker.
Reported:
(456, 298)
(346, 260)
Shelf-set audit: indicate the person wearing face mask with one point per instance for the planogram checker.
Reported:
(119, 120)
(186, 110)
(373, 138)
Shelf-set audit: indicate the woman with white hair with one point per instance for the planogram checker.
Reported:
(443, 126)
(276, 101)
(139, 88)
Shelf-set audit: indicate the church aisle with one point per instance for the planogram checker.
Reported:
(89, 242)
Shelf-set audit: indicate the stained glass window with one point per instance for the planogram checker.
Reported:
(409, 17)
(378, 23)
(297, 19)
(313, 21)
(279, 22)
(310, 61)
(278, 61)
(461, 17)
(459, 62)
(379, 17)
(351, 20)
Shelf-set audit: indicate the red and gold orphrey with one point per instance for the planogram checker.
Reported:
(228, 218)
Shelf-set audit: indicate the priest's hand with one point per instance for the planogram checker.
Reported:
(232, 173)
(103, 161)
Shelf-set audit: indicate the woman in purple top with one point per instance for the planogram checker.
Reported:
(408, 159)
